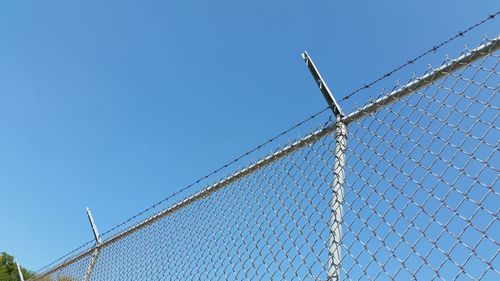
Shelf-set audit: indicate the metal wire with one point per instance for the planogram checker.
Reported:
(420, 198)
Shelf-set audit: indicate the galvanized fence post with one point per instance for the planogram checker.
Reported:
(95, 254)
(336, 216)
(335, 223)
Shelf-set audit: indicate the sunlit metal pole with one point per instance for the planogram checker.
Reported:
(336, 216)
(20, 272)
(95, 254)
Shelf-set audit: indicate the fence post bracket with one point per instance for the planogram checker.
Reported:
(323, 87)
(94, 227)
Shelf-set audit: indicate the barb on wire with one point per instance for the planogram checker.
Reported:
(411, 61)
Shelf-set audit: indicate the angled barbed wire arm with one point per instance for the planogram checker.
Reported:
(323, 87)
(336, 214)
(95, 253)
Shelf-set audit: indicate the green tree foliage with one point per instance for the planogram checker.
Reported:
(8, 269)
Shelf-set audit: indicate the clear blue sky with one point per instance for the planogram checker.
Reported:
(116, 104)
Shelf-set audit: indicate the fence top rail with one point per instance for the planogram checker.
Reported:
(489, 47)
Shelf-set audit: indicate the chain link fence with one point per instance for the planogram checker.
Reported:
(410, 193)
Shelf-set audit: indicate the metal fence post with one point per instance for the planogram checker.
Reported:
(336, 216)
(20, 272)
(95, 254)
(335, 238)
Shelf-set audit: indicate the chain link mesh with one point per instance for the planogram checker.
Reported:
(420, 201)
(422, 183)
